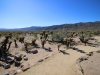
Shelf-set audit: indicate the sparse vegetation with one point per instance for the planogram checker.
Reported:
(29, 42)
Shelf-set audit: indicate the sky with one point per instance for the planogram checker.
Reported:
(27, 13)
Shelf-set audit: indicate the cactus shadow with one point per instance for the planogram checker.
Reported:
(65, 53)
(93, 45)
(36, 46)
(78, 50)
(48, 49)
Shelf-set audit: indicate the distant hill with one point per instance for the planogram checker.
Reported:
(2, 28)
(76, 26)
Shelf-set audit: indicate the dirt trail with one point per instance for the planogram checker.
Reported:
(60, 64)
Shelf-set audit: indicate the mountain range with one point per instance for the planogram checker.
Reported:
(76, 26)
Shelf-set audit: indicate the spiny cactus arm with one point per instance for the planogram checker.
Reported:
(10, 41)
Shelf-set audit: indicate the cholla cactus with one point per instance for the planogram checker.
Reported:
(43, 32)
(58, 45)
(26, 45)
(41, 37)
(46, 36)
(33, 42)
(65, 40)
(0, 35)
(10, 41)
(3, 47)
(21, 39)
(15, 43)
(68, 41)
(10, 35)
(84, 40)
(43, 41)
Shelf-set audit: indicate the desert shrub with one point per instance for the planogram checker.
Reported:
(58, 36)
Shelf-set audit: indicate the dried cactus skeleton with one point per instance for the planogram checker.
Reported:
(4, 49)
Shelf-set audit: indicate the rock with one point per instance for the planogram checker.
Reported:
(25, 58)
(17, 63)
(13, 72)
(1, 63)
(40, 60)
(3, 59)
(24, 68)
(98, 51)
(18, 57)
(35, 51)
(6, 66)
(10, 60)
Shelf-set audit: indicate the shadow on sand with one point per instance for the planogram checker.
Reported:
(65, 53)
(48, 49)
(93, 45)
(81, 51)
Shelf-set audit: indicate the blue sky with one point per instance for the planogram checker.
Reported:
(26, 13)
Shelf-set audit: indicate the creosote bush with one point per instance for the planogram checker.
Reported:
(59, 35)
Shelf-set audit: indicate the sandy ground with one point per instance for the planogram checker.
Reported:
(92, 65)
(58, 63)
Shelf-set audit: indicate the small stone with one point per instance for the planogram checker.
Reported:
(6, 66)
(25, 58)
(40, 60)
